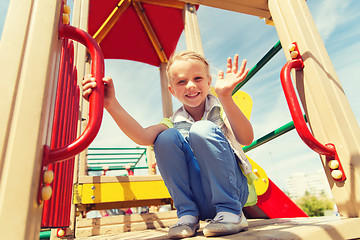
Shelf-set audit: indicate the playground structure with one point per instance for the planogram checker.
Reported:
(30, 100)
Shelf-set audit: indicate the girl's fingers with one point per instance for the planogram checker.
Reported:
(243, 75)
(229, 65)
(233, 67)
(87, 87)
(242, 67)
(87, 93)
(91, 84)
(235, 63)
(107, 80)
(87, 80)
(220, 74)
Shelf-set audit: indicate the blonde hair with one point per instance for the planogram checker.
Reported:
(186, 56)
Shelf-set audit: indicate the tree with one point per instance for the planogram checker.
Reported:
(314, 206)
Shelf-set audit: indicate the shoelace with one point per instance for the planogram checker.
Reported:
(181, 224)
(215, 221)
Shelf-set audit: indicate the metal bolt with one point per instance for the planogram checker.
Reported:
(92, 197)
(93, 187)
(191, 8)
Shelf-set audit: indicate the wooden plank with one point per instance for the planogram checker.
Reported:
(150, 31)
(128, 204)
(124, 219)
(324, 228)
(253, 7)
(165, 3)
(111, 179)
(96, 230)
(111, 20)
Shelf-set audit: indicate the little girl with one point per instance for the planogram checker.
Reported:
(197, 150)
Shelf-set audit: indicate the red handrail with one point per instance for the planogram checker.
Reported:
(296, 112)
(96, 99)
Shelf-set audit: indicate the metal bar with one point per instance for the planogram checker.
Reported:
(94, 148)
(139, 158)
(150, 32)
(112, 168)
(107, 154)
(295, 109)
(111, 20)
(103, 156)
(93, 159)
(272, 135)
(271, 53)
(45, 234)
(111, 163)
(96, 99)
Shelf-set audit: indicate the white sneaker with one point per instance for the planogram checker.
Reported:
(183, 230)
(220, 228)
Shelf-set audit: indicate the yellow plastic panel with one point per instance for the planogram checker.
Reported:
(262, 183)
(242, 100)
(123, 191)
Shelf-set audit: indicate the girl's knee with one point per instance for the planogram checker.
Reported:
(169, 136)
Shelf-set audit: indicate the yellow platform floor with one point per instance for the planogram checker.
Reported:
(318, 228)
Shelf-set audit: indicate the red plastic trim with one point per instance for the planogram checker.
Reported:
(96, 99)
(329, 149)
(295, 109)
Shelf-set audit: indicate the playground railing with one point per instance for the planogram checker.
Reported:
(104, 159)
(299, 119)
(295, 110)
(64, 145)
(96, 99)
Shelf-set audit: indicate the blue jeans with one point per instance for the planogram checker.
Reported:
(201, 172)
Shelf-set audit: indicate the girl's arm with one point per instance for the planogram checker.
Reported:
(140, 135)
(240, 125)
(132, 129)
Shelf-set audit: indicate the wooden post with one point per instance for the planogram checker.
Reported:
(29, 50)
(150, 154)
(191, 29)
(80, 20)
(165, 93)
(327, 108)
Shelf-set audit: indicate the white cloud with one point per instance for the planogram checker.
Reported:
(3, 11)
(329, 15)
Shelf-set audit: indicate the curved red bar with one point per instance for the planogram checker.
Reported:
(296, 112)
(96, 99)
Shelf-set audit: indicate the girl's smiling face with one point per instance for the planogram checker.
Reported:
(189, 83)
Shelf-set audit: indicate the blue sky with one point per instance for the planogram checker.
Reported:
(223, 34)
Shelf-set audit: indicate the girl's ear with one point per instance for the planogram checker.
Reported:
(171, 90)
(210, 79)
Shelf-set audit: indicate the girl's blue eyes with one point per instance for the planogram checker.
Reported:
(197, 79)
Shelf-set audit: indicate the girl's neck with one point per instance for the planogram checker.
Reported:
(196, 112)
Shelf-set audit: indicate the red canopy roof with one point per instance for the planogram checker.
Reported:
(128, 39)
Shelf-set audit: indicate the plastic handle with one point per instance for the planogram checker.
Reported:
(96, 99)
(296, 112)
